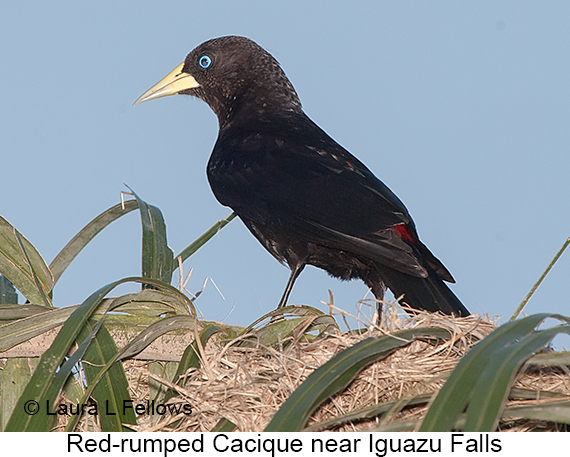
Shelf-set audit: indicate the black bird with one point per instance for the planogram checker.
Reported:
(303, 196)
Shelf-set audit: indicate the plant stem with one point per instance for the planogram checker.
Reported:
(533, 290)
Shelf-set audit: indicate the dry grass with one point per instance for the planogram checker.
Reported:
(247, 385)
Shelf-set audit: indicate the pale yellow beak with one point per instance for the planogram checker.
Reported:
(173, 83)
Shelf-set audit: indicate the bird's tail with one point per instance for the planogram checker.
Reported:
(430, 294)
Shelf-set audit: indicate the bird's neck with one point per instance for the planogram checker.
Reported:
(255, 105)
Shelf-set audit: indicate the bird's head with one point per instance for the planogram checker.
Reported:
(231, 74)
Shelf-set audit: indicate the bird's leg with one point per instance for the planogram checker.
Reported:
(373, 280)
(378, 288)
(295, 272)
(379, 308)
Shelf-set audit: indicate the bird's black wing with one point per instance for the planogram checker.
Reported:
(295, 175)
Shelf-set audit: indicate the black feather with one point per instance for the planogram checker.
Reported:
(302, 195)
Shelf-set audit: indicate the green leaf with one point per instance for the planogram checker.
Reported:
(112, 391)
(39, 286)
(87, 233)
(204, 238)
(550, 358)
(157, 257)
(456, 393)
(14, 377)
(542, 276)
(190, 358)
(148, 335)
(493, 385)
(139, 343)
(61, 377)
(158, 390)
(286, 311)
(23, 266)
(17, 332)
(8, 295)
(43, 386)
(552, 412)
(14, 312)
(338, 372)
(277, 330)
(150, 302)
(367, 413)
(224, 426)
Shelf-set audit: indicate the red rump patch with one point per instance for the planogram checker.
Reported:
(402, 232)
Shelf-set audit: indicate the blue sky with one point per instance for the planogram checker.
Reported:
(462, 109)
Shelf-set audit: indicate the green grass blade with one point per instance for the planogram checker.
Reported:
(162, 299)
(542, 276)
(403, 426)
(164, 254)
(151, 302)
(190, 358)
(41, 386)
(112, 392)
(87, 233)
(224, 426)
(294, 310)
(21, 330)
(524, 412)
(8, 295)
(453, 397)
(33, 266)
(518, 393)
(13, 378)
(148, 335)
(42, 421)
(552, 412)
(367, 413)
(14, 312)
(61, 377)
(276, 331)
(157, 257)
(492, 387)
(23, 266)
(139, 343)
(550, 358)
(338, 372)
(204, 238)
(158, 391)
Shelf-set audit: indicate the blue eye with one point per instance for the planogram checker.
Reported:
(205, 61)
